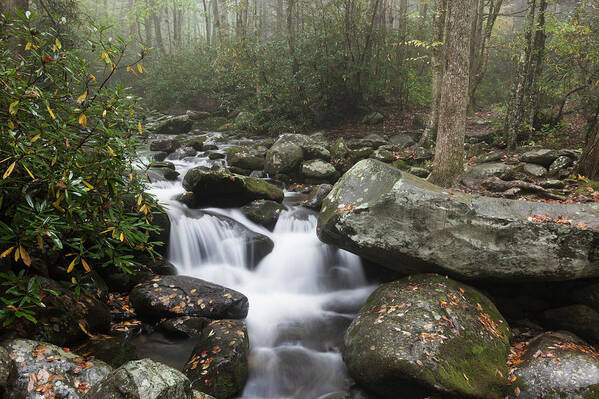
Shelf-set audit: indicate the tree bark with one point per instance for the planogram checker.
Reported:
(207, 21)
(448, 165)
(430, 132)
(156, 16)
(516, 106)
(538, 55)
(589, 162)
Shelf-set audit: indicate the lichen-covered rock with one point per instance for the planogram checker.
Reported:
(175, 296)
(542, 156)
(218, 364)
(201, 395)
(184, 326)
(286, 154)
(534, 170)
(407, 224)
(560, 163)
(143, 379)
(555, 365)
(59, 323)
(582, 320)
(339, 150)
(428, 334)
(360, 153)
(383, 155)
(263, 212)
(245, 158)
(316, 201)
(167, 145)
(6, 368)
(174, 125)
(45, 369)
(490, 169)
(217, 186)
(493, 156)
(318, 171)
(402, 140)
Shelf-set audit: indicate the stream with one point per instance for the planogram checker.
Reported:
(302, 295)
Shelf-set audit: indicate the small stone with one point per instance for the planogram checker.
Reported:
(534, 169)
(420, 172)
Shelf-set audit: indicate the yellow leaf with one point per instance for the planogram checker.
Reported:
(91, 75)
(17, 255)
(35, 138)
(139, 128)
(50, 112)
(25, 256)
(28, 46)
(6, 253)
(73, 280)
(53, 160)
(58, 44)
(11, 125)
(107, 230)
(29, 172)
(139, 199)
(85, 265)
(71, 265)
(82, 97)
(122, 237)
(40, 242)
(82, 327)
(139, 68)
(104, 114)
(12, 108)
(9, 170)
(110, 150)
(82, 120)
(88, 185)
(128, 69)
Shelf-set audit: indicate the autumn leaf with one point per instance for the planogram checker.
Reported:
(24, 256)
(82, 97)
(85, 265)
(9, 170)
(83, 120)
(6, 253)
(12, 108)
(71, 265)
(50, 112)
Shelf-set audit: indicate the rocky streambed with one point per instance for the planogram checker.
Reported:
(418, 292)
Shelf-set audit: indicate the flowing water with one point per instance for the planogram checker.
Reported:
(302, 296)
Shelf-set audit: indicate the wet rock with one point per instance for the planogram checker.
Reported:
(159, 156)
(263, 212)
(197, 143)
(532, 169)
(552, 184)
(316, 201)
(143, 379)
(318, 171)
(383, 155)
(7, 368)
(420, 172)
(168, 145)
(197, 115)
(45, 369)
(485, 170)
(218, 186)
(402, 140)
(493, 156)
(218, 364)
(183, 152)
(215, 155)
(579, 319)
(184, 326)
(339, 150)
(556, 365)
(560, 163)
(175, 296)
(541, 157)
(161, 219)
(59, 322)
(245, 158)
(407, 224)
(174, 125)
(360, 153)
(115, 351)
(425, 335)
(156, 173)
(316, 151)
(286, 154)
(373, 118)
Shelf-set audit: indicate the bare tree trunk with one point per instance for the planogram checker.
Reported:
(216, 21)
(156, 16)
(291, 37)
(148, 26)
(430, 132)
(448, 165)
(538, 55)
(207, 21)
(589, 162)
(402, 49)
(516, 107)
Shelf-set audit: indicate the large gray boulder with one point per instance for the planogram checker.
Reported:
(490, 169)
(176, 296)
(45, 368)
(218, 364)
(555, 365)
(407, 224)
(218, 186)
(287, 153)
(426, 335)
(245, 158)
(317, 171)
(174, 125)
(143, 379)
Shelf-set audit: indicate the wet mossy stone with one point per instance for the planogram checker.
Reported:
(175, 296)
(318, 196)
(286, 154)
(218, 364)
(166, 145)
(175, 125)
(143, 379)
(184, 326)
(317, 171)
(425, 335)
(217, 186)
(70, 371)
(555, 365)
(245, 158)
(263, 212)
(197, 143)
(409, 225)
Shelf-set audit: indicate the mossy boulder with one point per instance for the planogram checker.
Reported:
(217, 186)
(360, 153)
(245, 158)
(317, 171)
(218, 364)
(166, 145)
(554, 365)
(427, 335)
(197, 142)
(175, 125)
(263, 212)
(383, 155)
(143, 379)
(184, 326)
(286, 154)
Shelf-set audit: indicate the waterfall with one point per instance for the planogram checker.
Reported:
(302, 295)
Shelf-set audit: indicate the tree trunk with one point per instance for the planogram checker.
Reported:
(402, 49)
(589, 162)
(430, 132)
(291, 37)
(516, 107)
(216, 21)
(538, 54)
(448, 165)
(207, 21)
(156, 16)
